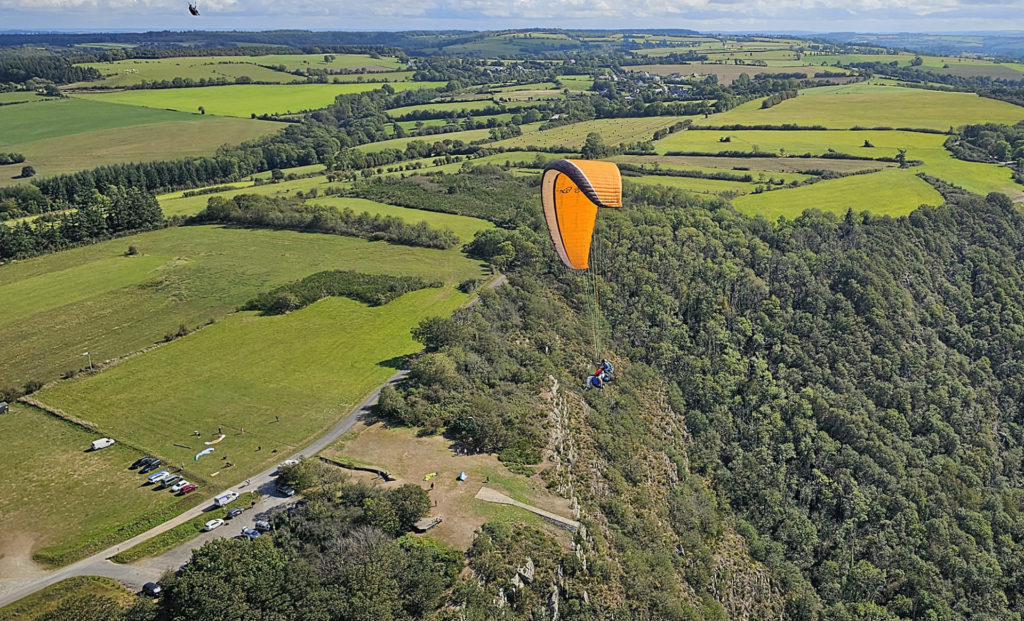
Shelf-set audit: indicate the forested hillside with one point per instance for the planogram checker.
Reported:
(851, 387)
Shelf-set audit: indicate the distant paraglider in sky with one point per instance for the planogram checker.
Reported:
(193, 8)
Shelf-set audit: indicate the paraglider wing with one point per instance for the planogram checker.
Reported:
(572, 191)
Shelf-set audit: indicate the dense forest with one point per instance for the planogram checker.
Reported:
(121, 211)
(849, 390)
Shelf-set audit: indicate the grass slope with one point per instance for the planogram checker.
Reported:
(200, 273)
(50, 598)
(245, 100)
(613, 131)
(53, 119)
(48, 477)
(975, 177)
(192, 136)
(873, 106)
(892, 192)
(243, 372)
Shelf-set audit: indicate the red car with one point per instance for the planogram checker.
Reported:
(191, 487)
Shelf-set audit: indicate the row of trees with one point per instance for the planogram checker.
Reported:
(290, 213)
(372, 289)
(18, 68)
(120, 211)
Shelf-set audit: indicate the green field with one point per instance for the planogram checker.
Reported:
(243, 100)
(59, 118)
(244, 371)
(576, 82)
(696, 185)
(454, 107)
(973, 176)
(74, 134)
(138, 143)
(613, 131)
(67, 592)
(21, 97)
(869, 105)
(892, 192)
(185, 275)
(258, 68)
(468, 135)
(726, 73)
(462, 226)
(48, 477)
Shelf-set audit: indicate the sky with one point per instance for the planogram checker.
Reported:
(703, 15)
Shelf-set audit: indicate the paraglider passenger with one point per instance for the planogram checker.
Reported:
(193, 9)
(595, 381)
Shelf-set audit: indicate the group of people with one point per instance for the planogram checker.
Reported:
(601, 376)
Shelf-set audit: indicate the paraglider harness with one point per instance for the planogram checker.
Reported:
(193, 9)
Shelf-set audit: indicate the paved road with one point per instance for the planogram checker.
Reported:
(146, 570)
(149, 569)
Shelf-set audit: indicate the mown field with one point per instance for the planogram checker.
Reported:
(976, 177)
(727, 73)
(185, 275)
(866, 105)
(243, 100)
(613, 131)
(48, 477)
(21, 97)
(46, 601)
(891, 192)
(266, 381)
(74, 134)
(258, 68)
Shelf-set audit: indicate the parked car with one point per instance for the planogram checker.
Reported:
(225, 498)
(179, 486)
(251, 533)
(151, 589)
(102, 443)
(287, 491)
(237, 511)
(142, 461)
(153, 465)
(188, 489)
(212, 524)
(156, 477)
(263, 526)
(170, 480)
(287, 462)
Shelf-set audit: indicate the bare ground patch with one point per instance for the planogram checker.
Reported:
(410, 458)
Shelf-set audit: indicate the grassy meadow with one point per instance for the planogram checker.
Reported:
(869, 105)
(183, 276)
(613, 131)
(246, 371)
(259, 68)
(45, 601)
(48, 476)
(243, 100)
(891, 192)
(67, 135)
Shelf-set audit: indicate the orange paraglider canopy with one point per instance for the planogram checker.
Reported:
(572, 191)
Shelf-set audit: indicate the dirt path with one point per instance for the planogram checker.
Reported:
(490, 495)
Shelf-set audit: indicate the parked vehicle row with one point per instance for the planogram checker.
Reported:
(163, 479)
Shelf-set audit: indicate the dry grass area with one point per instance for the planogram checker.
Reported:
(409, 458)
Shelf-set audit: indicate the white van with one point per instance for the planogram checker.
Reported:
(102, 443)
(225, 498)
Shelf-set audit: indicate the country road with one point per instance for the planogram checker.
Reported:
(149, 569)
